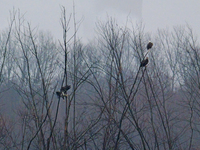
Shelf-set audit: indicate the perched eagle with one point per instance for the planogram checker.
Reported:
(61, 94)
(63, 91)
(144, 62)
(65, 88)
(149, 45)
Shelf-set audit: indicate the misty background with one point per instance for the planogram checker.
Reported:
(45, 14)
(97, 47)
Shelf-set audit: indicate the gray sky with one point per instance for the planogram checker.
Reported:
(45, 14)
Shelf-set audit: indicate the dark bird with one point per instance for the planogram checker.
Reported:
(149, 45)
(63, 91)
(65, 88)
(144, 62)
(61, 94)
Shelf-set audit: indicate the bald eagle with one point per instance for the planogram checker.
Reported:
(144, 62)
(149, 45)
(61, 94)
(65, 88)
(63, 91)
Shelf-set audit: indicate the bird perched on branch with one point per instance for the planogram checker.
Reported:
(65, 88)
(63, 91)
(61, 94)
(144, 62)
(149, 45)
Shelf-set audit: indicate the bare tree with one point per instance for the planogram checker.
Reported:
(99, 95)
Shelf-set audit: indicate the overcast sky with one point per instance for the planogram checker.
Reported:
(45, 14)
